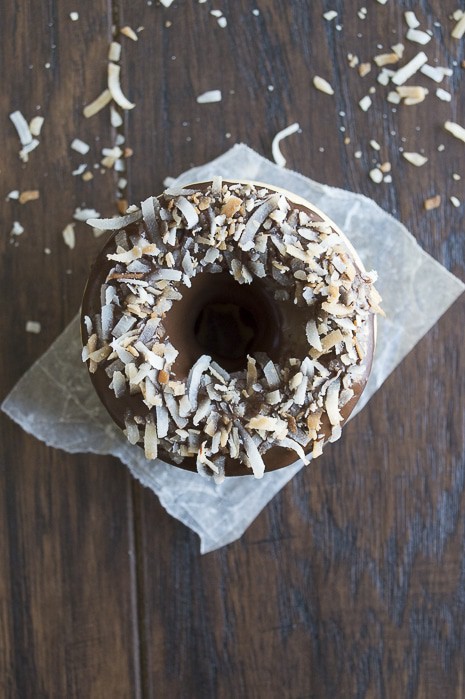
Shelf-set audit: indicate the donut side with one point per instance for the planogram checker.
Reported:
(227, 328)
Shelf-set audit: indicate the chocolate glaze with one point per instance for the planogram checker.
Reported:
(278, 331)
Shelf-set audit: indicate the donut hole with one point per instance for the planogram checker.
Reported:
(226, 331)
(226, 320)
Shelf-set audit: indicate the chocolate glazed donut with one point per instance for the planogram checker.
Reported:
(230, 319)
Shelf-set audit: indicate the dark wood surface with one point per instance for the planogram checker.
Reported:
(351, 582)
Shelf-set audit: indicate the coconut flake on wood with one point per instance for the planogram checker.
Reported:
(21, 127)
(33, 326)
(35, 125)
(114, 87)
(209, 97)
(410, 68)
(322, 85)
(99, 103)
(275, 149)
(455, 129)
(69, 236)
(79, 146)
(415, 158)
(113, 224)
(459, 29)
(418, 36)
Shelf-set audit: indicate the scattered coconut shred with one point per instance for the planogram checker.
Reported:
(275, 149)
(212, 414)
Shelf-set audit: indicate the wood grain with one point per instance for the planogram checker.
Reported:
(350, 583)
(66, 592)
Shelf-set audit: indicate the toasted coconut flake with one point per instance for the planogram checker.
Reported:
(318, 445)
(84, 214)
(202, 411)
(114, 52)
(125, 323)
(271, 375)
(376, 175)
(436, 73)
(313, 337)
(411, 20)
(35, 125)
(79, 146)
(17, 228)
(336, 309)
(79, 170)
(258, 217)
(332, 339)
(115, 87)
(25, 150)
(21, 127)
(384, 59)
(209, 97)
(443, 95)
(194, 378)
(365, 103)
(113, 224)
(129, 32)
(275, 149)
(385, 76)
(162, 419)
(289, 443)
(116, 119)
(173, 409)
(118, 384)
(255, 460)
(265, 423)
(100, 354)
(295, 380)
(415, 158)
(69, 235)
(33, 326)
(314, 420)
(331, 14)
(99, 103)
(455, 129)
(231, 207)
(364, 69)
(459, 29)
(131, 431)
(153, 359)
(29, 195)
(432, 202)
(331, 402)
(150, 439)
(274, 397)
(301, 392)
(322, 85)
(407, 71)
(412, 94)
(393, 97)
(189, 212)
(418, 37)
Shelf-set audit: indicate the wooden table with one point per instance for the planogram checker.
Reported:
(351, 582)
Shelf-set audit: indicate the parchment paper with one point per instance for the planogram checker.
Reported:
(56, 403)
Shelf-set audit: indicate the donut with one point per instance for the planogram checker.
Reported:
(228, 327)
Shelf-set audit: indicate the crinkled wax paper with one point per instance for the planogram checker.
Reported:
(56, 403)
